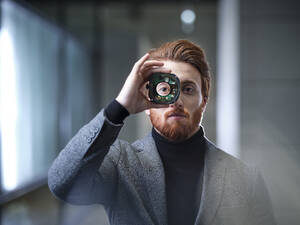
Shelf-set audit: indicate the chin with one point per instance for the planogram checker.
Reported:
(176, 130)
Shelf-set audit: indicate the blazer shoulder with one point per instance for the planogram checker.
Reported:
(230, 162)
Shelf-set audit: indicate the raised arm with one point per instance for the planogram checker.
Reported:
(85, 171)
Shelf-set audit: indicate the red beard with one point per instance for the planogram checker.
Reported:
(178, 130)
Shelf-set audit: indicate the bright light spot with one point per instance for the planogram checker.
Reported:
(8, 112)
(188, 16)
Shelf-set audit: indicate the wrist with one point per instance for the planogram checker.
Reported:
(124, 104)
(115, 112)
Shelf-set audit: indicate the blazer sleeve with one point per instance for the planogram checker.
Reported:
(75, 175)
(261, 206)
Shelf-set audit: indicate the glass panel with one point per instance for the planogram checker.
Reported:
(33, 54)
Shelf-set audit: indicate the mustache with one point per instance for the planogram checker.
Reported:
(177, 112)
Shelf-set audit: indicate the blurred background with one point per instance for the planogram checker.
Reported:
(62, 61)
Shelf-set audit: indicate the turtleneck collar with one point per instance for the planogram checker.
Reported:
(199, 135)
(189, 149)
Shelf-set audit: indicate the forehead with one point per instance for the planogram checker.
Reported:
(184, 71)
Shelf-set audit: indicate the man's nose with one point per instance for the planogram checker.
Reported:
(178, 103)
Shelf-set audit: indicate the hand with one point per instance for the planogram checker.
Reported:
(133, 95)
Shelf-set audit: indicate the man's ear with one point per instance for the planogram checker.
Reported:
(147, 111)
(203, 103)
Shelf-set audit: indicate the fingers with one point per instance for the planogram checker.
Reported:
(152, 66)
(140, 62)
(144, 67)
(155, 70)
(151, 63)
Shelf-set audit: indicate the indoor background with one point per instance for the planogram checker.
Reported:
(61, 62)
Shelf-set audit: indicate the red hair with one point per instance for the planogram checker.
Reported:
(188, 52)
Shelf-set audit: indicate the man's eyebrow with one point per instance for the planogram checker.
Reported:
(188, 82)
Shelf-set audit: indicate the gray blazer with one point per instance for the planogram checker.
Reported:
(128, 179)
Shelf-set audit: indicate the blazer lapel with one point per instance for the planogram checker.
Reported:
(213, 186)
(213, 181)
(154, 177)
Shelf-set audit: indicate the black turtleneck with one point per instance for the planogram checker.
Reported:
(183, 164)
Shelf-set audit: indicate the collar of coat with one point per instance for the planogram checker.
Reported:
(213, 180)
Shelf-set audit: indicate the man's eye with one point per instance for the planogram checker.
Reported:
(188, 90)
(163, 89)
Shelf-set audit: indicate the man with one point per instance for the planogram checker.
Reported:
(175, 175)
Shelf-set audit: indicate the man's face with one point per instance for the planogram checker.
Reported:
(181, 119)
